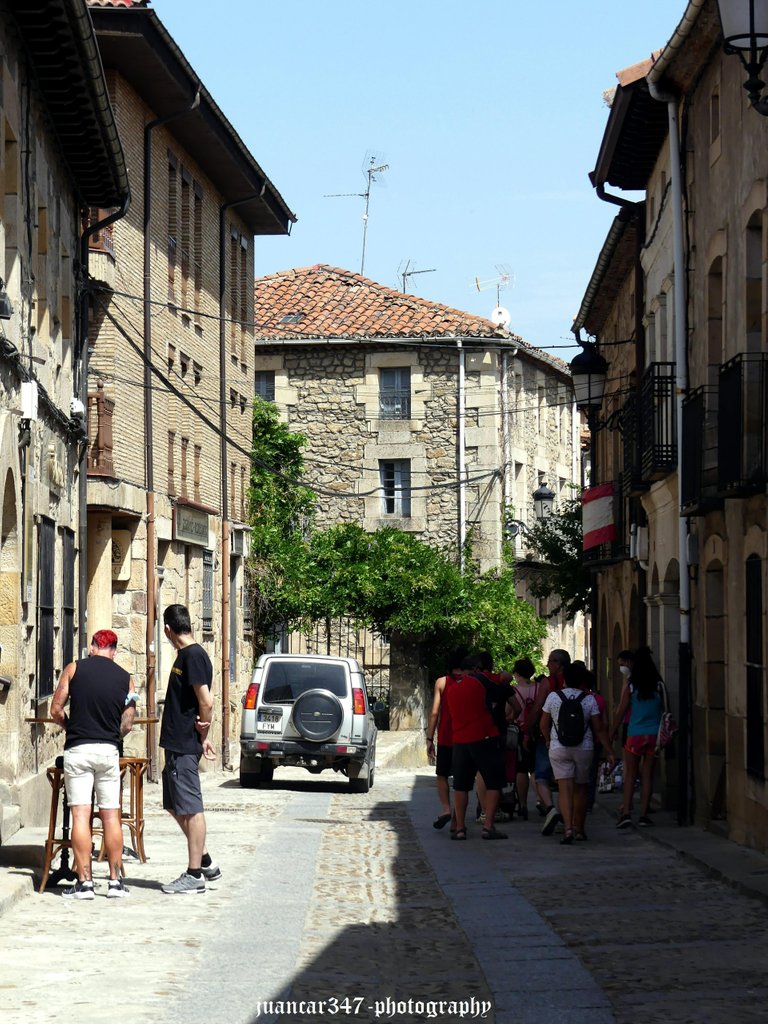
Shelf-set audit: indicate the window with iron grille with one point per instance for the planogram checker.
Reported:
(395, 476)
(46, 574)
(395, 393)
(207, 591)
(755, 667)
(247, 602)
(265, 385)
(68, 597)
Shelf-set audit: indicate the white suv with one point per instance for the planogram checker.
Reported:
(310, 711)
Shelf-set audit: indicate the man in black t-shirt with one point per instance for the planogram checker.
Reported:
(101, 711)
(184, 738)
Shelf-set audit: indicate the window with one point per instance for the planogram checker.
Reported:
(265, 385)
(196, 479)
(207, 591)
(246, 287)
(184, 451)
(68, 597)
(395, 393)
(755, 668)
(395, 478)
(233, 296)
(197, 231)
(714, 116)
(243, 403)
(173, 222)
(46, 558)
(197, 372)
(186, 235)
(243, 492)
(754, 283)
(183, 364)
(171, 463)
(171, 357)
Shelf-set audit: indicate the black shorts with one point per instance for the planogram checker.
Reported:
(181, 784)
(484, 756)
(444, 761)
(526, 757)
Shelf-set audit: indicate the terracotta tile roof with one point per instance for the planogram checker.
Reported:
(639, 70)
(323, 301)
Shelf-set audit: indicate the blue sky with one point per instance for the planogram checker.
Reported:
(489, 113)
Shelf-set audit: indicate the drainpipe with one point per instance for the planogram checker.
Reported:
(149, 454)
(82, 480)
(462, 492)
(685, 803)
(225, 559)
(506, 493)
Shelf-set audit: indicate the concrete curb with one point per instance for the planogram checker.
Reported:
(401, 749)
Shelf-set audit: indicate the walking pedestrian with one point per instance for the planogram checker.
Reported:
(643, 696)
(102, 706)
(571, 743)
(527, 689)
(184, 738)
(556, 664)
(439, 724)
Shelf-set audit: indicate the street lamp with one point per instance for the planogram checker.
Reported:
(589, 372)
(745, 33)
(543, 502)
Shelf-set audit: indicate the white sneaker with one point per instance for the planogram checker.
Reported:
(185, 884)
(212, 872)
(116, 890)
(80, 891)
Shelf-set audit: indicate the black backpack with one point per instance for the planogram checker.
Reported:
(571, 725)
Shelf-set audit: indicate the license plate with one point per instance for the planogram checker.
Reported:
(269, 721)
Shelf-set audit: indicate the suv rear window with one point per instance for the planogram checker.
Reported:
(287, 680)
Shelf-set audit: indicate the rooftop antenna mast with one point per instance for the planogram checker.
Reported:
(404, 271)
(500, 316)
(373, 167)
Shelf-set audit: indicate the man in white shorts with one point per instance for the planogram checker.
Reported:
(102, 705)
(570, 754)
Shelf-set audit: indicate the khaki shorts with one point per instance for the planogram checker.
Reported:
(92, 768)
(571, 763)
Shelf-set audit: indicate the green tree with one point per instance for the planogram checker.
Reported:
(561, 573)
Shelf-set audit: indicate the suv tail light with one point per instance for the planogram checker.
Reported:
(358, 701)
(250, 697)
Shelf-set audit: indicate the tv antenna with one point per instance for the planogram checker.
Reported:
(404, 271)
(373, 167)
(500, 316)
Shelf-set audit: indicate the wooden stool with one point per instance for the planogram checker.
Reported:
(132, 819)
(57, 844)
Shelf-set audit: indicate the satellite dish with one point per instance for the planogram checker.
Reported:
(501, 317)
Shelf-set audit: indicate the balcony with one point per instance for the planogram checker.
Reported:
(742, 435)
(632, 483)
(100, 410)
(698, 487)
(103, 240)
(658, 430)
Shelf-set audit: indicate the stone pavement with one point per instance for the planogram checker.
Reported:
(332, 895)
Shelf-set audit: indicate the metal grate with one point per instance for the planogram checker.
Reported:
(742, 439)
(755, 668)
(658, 428)
(46, 574)
(207, 591)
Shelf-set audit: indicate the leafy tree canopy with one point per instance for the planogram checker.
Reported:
(389, 580)
(561, 573)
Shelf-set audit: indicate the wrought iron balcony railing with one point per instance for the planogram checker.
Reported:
(658, 429)
(742, 434)
(100, 410)
(698, 487)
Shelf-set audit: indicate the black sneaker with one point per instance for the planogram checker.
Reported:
(645, 821)
(552, 819)
(625, 821)
(541, 809)
(213, 872)
(524, 813)
(116, 890)
(80, 891)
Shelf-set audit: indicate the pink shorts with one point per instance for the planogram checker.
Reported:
(641, 745)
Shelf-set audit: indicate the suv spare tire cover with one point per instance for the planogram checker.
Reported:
(317, 715)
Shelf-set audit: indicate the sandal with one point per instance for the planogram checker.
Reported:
(493, 833)
(567, 838)
(460, 834)
(580, 837)
(441, 820)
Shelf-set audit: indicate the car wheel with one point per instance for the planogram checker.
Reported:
(250, 779)
(317, 715)
(360, 785)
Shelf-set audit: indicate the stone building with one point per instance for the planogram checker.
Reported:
(417, 415)
(702, 267)
(171, 381)
(59, 156)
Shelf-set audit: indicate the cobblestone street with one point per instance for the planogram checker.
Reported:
(332, 896)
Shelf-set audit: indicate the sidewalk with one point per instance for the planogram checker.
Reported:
(21, 858)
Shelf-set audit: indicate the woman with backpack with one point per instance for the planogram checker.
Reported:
(570, 724)
(527, 689)
(643, 696)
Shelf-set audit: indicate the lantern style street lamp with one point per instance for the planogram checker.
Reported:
(543, 501)
(589, 372)
(745, 34)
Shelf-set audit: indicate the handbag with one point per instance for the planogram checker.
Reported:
(513, 736)
(667, 729)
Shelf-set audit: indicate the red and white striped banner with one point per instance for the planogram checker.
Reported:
(598, 526)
